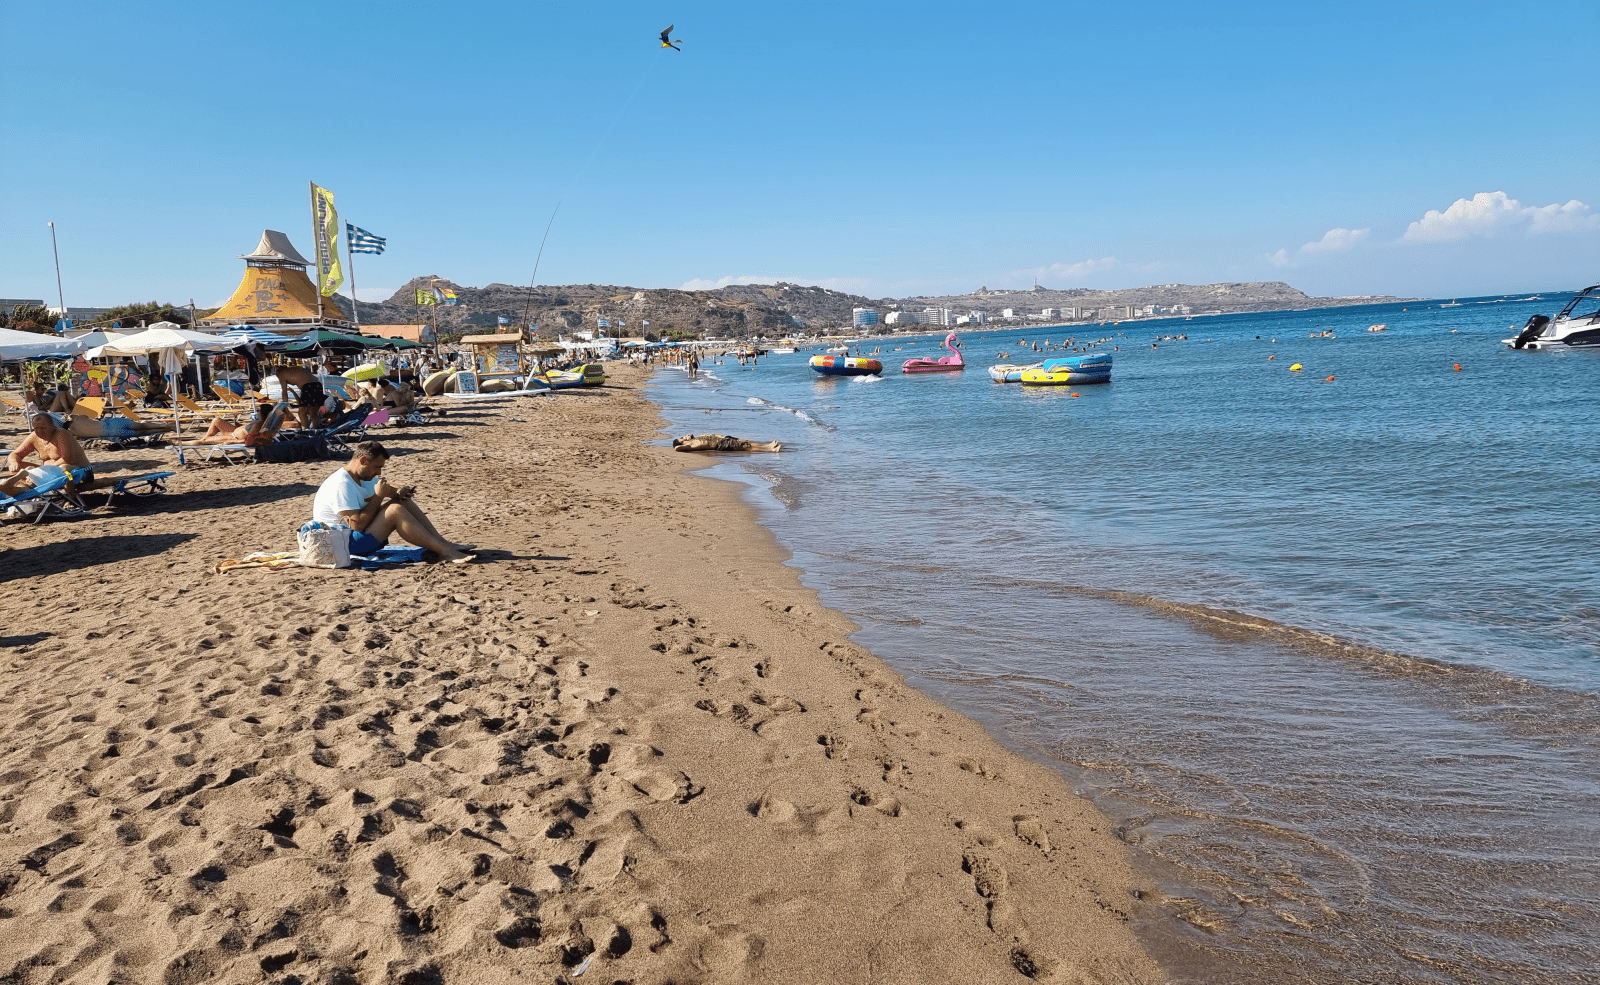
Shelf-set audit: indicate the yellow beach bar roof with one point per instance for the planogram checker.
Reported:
(275, 294)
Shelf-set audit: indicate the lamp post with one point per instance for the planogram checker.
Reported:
(60, 296)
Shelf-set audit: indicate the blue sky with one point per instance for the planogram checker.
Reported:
(884, 149)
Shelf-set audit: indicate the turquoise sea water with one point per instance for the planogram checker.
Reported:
(1328, 650)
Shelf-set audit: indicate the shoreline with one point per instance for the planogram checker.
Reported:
(629, 742)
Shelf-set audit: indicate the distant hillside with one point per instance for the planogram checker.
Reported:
(778, 309)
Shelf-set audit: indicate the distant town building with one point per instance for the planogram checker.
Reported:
(902, 318)
(1008, 313)
(1051, 312)
(862, 317)
(963, 319)
(936, 316)
(978, 316)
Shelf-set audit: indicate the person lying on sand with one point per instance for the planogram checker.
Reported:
(383, 393)
(358, 497)
(115, 428)
(59, 453)
(261, 430)
(721, 442)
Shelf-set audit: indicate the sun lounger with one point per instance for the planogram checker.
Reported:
(139, 486)
(43, 500)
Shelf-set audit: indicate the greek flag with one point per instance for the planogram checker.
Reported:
(362, 241)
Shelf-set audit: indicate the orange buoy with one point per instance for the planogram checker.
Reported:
(1330, 379)
(1458, 367)
(1271, 358)
(1075, 394)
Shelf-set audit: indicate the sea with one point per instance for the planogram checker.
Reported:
(1311, 612)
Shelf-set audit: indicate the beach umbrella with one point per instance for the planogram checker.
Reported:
(170, 342)
(247, 335)
(338, 343)
(32, 345)
(99, 336)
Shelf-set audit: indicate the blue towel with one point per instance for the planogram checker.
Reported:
(388, 557)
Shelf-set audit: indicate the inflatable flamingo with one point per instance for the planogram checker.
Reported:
(948, 364)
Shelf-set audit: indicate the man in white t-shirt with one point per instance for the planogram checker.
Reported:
(358, 497)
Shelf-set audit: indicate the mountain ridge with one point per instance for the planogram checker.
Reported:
(781, 308)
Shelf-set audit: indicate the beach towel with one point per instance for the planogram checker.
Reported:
(388, 557)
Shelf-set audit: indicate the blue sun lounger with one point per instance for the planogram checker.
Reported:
(41, 501)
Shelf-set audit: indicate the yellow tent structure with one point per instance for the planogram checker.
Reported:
(275, 294)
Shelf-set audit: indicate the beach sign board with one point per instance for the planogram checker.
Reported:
(467, 382)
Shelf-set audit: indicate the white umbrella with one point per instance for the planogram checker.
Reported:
(171, 342)
(32, 345)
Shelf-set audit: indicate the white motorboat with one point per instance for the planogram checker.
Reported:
(1578, 324)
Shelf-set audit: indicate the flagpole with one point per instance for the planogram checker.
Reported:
(352, 255)
(317, 239)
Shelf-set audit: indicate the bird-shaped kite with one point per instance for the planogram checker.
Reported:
(667, 42)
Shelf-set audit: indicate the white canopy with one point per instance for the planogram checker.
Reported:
(160, 337)
(31, 345)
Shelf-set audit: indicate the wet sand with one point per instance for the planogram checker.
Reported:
(626, 745)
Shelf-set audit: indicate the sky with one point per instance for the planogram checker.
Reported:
(885, 149)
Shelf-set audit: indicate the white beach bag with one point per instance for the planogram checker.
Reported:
(322, 546)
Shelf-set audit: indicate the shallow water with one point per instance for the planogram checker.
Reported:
(1328, 651)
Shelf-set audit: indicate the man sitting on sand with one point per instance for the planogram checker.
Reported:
(358, 497)
(721, 442)
(59, 454)
(261, 430)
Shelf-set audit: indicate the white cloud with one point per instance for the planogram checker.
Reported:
(1486, 213)
(1335, 240)
(1332, 241)
(1563, 218)
(1079, 270)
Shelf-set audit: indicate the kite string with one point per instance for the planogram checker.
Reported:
(582, 169)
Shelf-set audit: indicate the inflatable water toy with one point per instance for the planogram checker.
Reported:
(364, 372)
(1007, 373)
(1069, 371)
(945, 364)
(434, 384)
(592, 374)
(846, 366)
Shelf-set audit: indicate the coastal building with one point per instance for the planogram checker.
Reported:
(1008, 313)
(902, 318)
(862, 317)
(963, 319)
(275, 294)
(978, 316)
(1051, 312)
(936, 316)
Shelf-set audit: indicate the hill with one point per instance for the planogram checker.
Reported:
(778, 309)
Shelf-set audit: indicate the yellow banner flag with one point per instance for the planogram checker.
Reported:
(426, 297)
(326, 226)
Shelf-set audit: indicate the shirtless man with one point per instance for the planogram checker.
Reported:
(312, 396)
(59, 454)
(721, 442)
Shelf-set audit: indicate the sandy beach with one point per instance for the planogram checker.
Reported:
(625, 746)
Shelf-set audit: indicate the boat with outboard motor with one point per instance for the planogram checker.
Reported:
(842, 365)
(945, 364)
(1061, 371)
(1578, 324)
